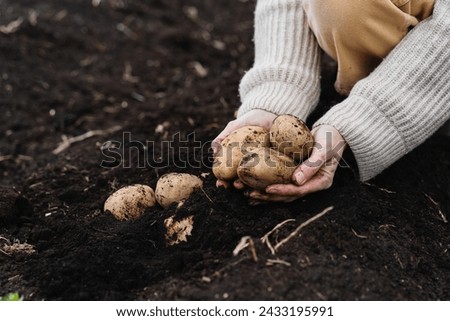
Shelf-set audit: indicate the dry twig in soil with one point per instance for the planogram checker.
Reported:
(246, 241)
(69, 141)
(265, 238)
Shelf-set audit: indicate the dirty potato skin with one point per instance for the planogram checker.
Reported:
(174, 187)
(233, 148)
(264, 166)
(290, 135)
(130, 202)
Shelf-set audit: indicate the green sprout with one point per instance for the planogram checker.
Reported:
(14, 296)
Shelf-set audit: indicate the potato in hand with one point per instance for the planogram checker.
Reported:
(234, 147)
(290, 135)
(264, 166)
(260, 159)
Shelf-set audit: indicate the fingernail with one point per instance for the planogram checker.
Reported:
(271, 190)
(299, 178)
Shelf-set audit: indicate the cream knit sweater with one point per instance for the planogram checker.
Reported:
(389, 113)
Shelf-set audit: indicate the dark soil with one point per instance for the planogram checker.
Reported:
(71, 67)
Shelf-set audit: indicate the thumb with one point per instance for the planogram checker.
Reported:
(231, 126)
(309, 167)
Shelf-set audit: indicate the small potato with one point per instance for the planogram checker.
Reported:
(130, 202)
(234, 147)
(264, 166)
(290, 136)
(175, 187)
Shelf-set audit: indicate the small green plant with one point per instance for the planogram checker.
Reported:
(14, 296)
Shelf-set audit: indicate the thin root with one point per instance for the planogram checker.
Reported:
(438, 207)
(277, 261)
(207, 196)
(1, 251)
(359, 235)
(265, 238)
(380, 188)
(297, 230)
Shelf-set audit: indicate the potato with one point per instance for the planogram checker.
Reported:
(264, 166)
(177, 231)
(290, 136)
(174, 187)
(234, 147)
(130, 202)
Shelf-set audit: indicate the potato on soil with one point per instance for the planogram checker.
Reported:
(130, 202)
(264, 166)
(175, 187)
(290, 136)
(234, 147)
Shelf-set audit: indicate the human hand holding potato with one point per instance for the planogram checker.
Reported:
(269, 172)
(313, 175)
(255, 117)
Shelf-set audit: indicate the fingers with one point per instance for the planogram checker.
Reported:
(220, 183)
(238, 184)
(329, 145)
(321, 181)
(253, 202)
(309, 168)
(290, 190)
(256, 196)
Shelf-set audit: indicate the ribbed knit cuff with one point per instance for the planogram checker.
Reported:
(372, 137)
(278, 98)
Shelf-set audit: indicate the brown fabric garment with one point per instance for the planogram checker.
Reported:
(358, 34)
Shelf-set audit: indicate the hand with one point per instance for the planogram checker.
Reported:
(313, 175)
(255, 117)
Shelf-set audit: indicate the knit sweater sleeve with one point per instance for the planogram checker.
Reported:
(403, 102)
(285, 78)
